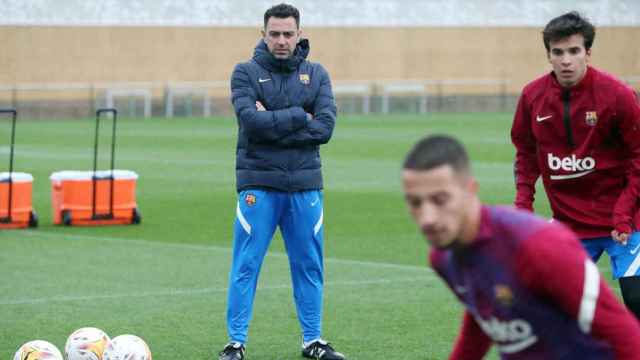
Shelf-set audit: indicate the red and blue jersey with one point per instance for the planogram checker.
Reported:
(529, 287)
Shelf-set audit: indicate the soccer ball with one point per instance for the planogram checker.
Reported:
(38, 350)
(127, 347)
(86, 344)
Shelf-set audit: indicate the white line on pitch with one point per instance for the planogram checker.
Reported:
(191, 292)
(68, 155)
(220, 249)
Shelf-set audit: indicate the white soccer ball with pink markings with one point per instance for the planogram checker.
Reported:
(86, 343)
(38, 350)
(127, 347)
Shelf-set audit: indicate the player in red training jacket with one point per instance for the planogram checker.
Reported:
(527, 285)
(579, 129)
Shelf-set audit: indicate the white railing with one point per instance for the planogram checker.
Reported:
(91, 96)
(415, 88)
(191, 89)
(145, 94)
(421, 89)
(362, 89)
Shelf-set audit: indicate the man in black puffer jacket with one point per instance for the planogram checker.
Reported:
(285, 110)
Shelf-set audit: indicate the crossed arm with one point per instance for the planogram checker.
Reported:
(288, 127)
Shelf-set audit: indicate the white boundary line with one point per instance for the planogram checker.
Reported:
(196, 291)
(40, 155)
(143, 242)
(193, 292)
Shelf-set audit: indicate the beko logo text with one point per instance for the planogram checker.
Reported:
(511, 336)
(571, 163)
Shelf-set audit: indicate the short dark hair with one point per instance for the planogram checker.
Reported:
(566, 25)
(282, 11)
(437, 150)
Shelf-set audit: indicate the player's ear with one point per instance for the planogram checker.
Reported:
(588, 52)
(264, 33)
(472, 185)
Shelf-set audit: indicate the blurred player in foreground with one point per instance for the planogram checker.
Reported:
(579, 129)
(527, 285)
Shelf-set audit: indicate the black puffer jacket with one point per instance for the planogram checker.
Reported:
(279, 148)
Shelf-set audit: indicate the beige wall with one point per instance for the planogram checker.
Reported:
(107, 54)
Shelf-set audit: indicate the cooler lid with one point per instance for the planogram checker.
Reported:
(16, 177)
(88, 175)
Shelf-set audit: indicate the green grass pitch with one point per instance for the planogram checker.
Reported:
(165, 280)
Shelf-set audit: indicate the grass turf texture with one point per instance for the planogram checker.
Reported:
(165, 280)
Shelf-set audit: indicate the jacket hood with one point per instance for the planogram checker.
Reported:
(263, 57)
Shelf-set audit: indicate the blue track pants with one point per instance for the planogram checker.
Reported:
(299, 216)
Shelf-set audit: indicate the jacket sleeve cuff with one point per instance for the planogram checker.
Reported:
(523, 205)
(525, 208)
(623, 228)
(298, 118)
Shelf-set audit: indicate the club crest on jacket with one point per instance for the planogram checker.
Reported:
(503, 294)
(305, 79)
(250, 199)
(591, 118)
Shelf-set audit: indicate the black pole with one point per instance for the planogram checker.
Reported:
(14, 115)
(113, 154)
(95, 163)
(94, 178)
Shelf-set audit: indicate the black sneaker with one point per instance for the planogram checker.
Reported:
(321, 350)
(232, 351)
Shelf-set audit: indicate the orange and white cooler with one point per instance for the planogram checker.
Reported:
(22, 214)
(72, 195)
